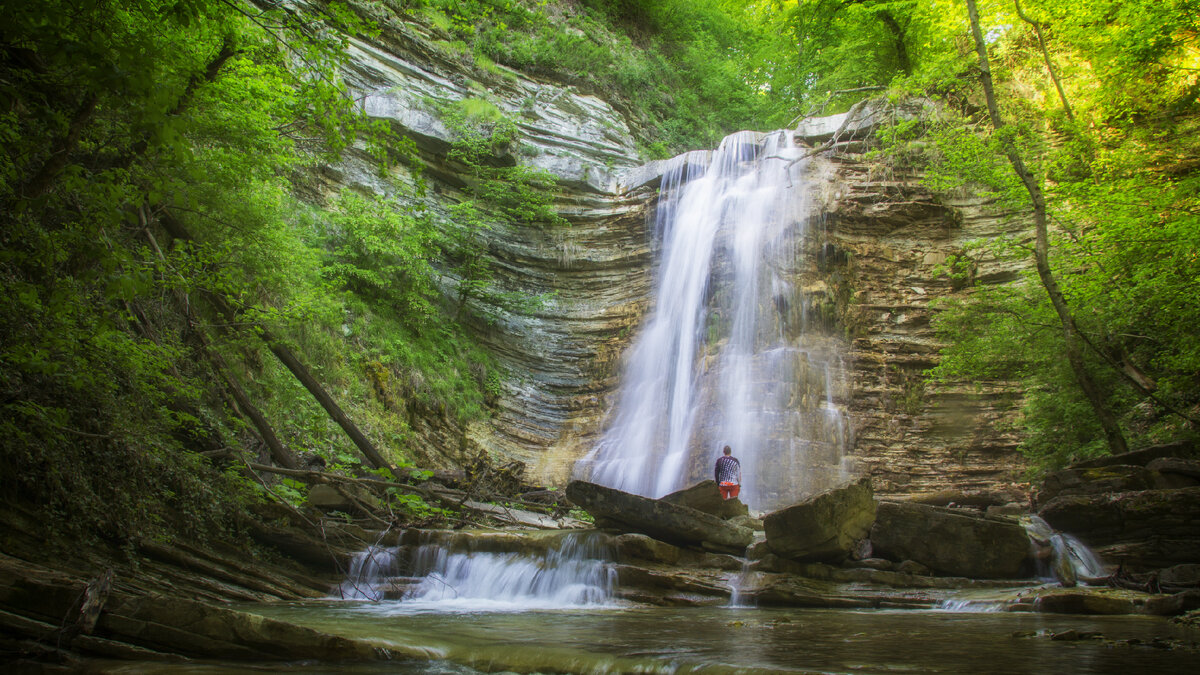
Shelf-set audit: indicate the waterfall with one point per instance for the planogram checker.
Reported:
(450, 572)
(740, 585)
(734, 350)
(371, 574)
(1066, 558)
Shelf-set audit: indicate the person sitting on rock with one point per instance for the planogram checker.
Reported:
(728, 474)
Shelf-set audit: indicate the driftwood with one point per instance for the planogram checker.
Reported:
(94, 596)
(1148, 582)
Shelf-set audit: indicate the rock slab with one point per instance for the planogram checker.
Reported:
(706, 496)
(662, 520)
(950, 542)
(824, 528)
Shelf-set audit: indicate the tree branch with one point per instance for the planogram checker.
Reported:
(1037, 27)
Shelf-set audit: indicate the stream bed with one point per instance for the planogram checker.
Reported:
(727, 640)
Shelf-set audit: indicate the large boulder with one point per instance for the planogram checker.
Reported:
(1143, 530)
(825, 527)
(952, 542)
(706, 496)
(659, 519)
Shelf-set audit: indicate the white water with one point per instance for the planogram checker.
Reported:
(970, 606)
(729, 354)
(370, 574)
(574, 573)
(1083, 560)
(740, 585)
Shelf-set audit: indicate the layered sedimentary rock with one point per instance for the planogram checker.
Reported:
(592, 275)
(873, 276)
(887, 235)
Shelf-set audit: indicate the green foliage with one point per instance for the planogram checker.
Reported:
(580, 514)
(414, 506)
(825, 55)
(680, 69)
(1116, 161)
(124, 114)
(499, 195)
(383, 256)
(291, 491)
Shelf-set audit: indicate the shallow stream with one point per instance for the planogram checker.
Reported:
(725, 640)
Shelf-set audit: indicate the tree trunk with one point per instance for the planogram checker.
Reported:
(897, 32)
(282, 456)
(1108, 421)
(60, 152)
(1037, 28)
(292, 363)
(279, 453)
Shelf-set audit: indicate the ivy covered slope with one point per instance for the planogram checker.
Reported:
(169, 301)
(181, 301)
(151, 246)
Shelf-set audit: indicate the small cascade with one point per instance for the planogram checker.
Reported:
(463, 573)
(739, 585)
(970, 606)
(1061, 556)
(1084, 560)
(371, 574)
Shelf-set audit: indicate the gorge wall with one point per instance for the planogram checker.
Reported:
(882, 236)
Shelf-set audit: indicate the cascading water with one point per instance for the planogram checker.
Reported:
(1069, 559)
(465, 573)
(370, 575)
(732, 351)
(574, 573)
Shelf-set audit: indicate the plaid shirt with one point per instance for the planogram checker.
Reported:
(728, 470)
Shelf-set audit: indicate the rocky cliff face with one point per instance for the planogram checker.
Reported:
(886, 235)
(873, 273)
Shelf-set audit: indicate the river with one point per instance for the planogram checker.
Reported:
(724, 640)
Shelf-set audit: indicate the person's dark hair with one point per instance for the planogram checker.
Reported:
(728, 450)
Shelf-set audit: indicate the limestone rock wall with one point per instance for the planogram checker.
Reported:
(883, 237)
(593, 275)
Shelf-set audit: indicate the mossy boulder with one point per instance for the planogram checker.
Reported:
(1089, 601)
(632, 546)
(951, 541)
(1142, 530)
(824, 528)
(1097, 480)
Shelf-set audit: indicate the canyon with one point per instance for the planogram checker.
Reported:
(869, 277)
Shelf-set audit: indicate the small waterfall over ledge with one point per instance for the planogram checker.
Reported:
(737, 348)
(472, 572)
(1065, 557)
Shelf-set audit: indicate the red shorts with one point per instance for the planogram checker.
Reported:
(729, 490)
